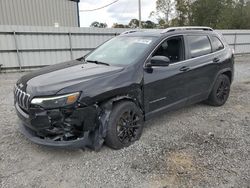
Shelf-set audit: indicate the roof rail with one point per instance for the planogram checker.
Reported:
(170, 29)
(130, 31)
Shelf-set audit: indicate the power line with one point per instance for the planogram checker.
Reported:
(100, 7)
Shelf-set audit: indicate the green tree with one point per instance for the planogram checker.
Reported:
(164, 10)
(116, 25)
(162, 24)
(148, 24)
(223, 14)
(227, 15)
(240, 14)
(219, 14)
(98, 24)
(247, 12)
(182, 8)
(206, 12)
(134, 23)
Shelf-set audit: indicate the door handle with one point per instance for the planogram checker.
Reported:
(216, 60)
(184, 69)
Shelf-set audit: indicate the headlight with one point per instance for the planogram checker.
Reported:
(57, 101)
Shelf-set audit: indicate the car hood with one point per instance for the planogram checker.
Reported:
(52, 79)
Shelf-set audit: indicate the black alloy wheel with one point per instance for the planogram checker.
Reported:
(220, 91)
(125, 125)
(128, 126)
(223, 91)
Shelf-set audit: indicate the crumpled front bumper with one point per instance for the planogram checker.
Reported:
(29, 128)
(79, 143)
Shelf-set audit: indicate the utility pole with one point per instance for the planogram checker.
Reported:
(140, 26)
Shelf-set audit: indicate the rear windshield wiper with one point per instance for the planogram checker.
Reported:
(97, 62)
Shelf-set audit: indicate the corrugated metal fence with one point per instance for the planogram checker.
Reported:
(24, 47)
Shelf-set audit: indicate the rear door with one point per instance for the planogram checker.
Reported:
(202, 65)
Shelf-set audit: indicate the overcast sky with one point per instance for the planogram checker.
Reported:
(121, 12)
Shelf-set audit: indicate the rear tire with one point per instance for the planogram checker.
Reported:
(220, 91)
(125, 125)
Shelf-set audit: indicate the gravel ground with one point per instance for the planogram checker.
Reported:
(197, 146)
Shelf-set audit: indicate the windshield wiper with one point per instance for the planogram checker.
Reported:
(97, 62)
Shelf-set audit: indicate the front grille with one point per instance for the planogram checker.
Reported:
(21, 98)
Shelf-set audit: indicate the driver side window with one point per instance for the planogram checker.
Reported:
(173, 48)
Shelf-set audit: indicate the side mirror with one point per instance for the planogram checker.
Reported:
(159, 61)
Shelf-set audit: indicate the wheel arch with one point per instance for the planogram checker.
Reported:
(108, 104)
(105, 108)
(227, 71)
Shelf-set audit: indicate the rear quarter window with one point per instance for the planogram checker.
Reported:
(198, 46)
(216, 43)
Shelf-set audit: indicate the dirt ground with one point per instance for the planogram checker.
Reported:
(197, 146)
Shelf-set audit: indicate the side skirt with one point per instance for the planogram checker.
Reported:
(162, 110)
(177, 105)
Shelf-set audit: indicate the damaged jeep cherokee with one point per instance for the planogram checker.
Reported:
(105, 96)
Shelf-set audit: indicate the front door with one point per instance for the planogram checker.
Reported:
(165, 87)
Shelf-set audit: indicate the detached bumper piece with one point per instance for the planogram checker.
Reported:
(61, 128)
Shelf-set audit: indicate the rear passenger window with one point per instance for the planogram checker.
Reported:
(199, 45)
(216, 44)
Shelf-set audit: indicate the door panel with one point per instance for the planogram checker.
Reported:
(201, 73)
(202, 69)
(165, 86)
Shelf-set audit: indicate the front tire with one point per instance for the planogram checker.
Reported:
(220, 91)
(125, 125)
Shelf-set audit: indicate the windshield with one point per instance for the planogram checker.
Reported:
(121, 50)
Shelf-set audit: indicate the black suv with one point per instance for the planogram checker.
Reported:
(106, 95)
